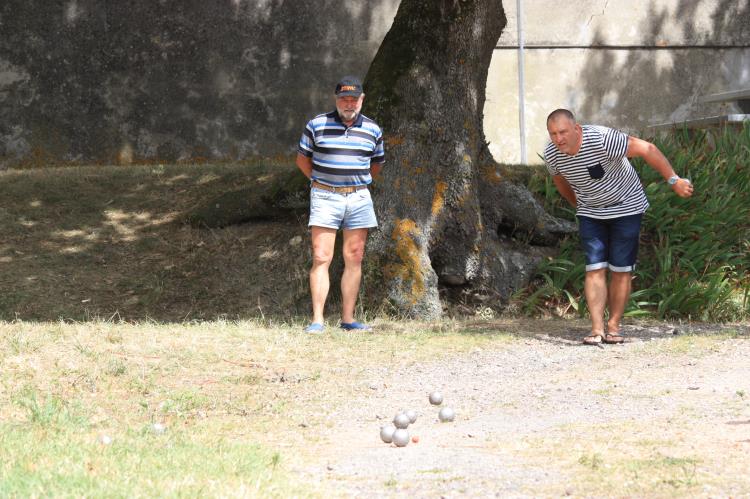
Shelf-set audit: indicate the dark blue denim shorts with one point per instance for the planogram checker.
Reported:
(610, 243)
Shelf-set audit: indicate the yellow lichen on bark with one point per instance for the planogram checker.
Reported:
(394, 140)
(438, 200)
(492, 175)
(409, 269)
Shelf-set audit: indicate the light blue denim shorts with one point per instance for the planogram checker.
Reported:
(333, 210)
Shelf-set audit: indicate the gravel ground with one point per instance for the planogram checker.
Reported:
(531, 410)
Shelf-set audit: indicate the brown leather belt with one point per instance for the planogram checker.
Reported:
(339, 190)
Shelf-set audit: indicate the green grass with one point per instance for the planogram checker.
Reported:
(53, 448)
(694, 260)
(230, 394)
(55, 462)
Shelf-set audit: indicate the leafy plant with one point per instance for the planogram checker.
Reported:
(694, 257)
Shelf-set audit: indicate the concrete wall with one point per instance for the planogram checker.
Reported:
(163, 80)
(614, 62)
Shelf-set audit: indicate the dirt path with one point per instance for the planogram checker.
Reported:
(662, 415)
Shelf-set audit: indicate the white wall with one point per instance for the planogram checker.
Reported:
(650, 63)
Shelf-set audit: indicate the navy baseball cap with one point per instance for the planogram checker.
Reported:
(349, 86)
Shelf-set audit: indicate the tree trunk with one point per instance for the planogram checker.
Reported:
(448, 213)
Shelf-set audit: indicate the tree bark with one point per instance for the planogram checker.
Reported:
(449, 215)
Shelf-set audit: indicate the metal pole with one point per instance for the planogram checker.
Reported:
(521, 102)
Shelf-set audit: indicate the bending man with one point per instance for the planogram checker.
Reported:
(590, 168)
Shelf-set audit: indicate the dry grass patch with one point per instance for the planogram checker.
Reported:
(659, 458)
(221, 389)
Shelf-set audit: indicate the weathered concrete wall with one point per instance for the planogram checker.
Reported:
(615, 62)
(112, 81)
(164, 80)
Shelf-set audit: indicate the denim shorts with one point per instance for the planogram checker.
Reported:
(611, 242)
(333, 210)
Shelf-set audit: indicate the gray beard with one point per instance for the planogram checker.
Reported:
(343, 118)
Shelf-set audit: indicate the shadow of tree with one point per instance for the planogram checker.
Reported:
(670, 79)
(84, 81)
(83, 243)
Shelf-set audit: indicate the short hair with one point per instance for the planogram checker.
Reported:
(557, 113)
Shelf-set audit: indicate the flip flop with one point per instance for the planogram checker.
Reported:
(592, 339)
(355, 326)
(613, 338)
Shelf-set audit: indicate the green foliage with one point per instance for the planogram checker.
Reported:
(48, 411)
(694, 260)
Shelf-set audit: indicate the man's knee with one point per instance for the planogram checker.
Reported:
(596, 273)
(321, 257)
(354, 255)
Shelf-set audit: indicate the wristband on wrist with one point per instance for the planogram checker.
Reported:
(673, 179)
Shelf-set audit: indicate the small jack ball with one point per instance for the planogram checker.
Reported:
(436, 398)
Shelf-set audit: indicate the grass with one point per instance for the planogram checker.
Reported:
(654, 458)
(79, 402)
(245, 404)
(694, 260)
(72, 462)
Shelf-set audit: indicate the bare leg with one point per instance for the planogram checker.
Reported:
(323, 240)
(619, 294)
(354, 251)
(595, 289)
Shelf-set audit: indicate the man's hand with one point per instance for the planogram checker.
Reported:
(683, 188)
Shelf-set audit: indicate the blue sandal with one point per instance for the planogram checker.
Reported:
(355, 326)
(315, 328)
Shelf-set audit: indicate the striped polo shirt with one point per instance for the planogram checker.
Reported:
(605, 183)
(342, 155)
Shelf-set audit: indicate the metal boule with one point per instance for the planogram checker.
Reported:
(386, 433)
(412, 415)
(401, 420)
(401, 437)
(436, 398)
(446, 415)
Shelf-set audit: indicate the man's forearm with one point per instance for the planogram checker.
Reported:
(375, 170)
(305, 165)
(565, 190)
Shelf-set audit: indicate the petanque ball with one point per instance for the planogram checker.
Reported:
(401, 420)
(446, 415)
(436, 398)
(386, 433)
(412, 415)
(401, 437)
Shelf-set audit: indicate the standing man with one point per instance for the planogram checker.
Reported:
(590, 168)
(340, 152)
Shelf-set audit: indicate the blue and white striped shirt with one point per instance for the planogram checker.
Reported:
(342, 155)
(605, 183)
